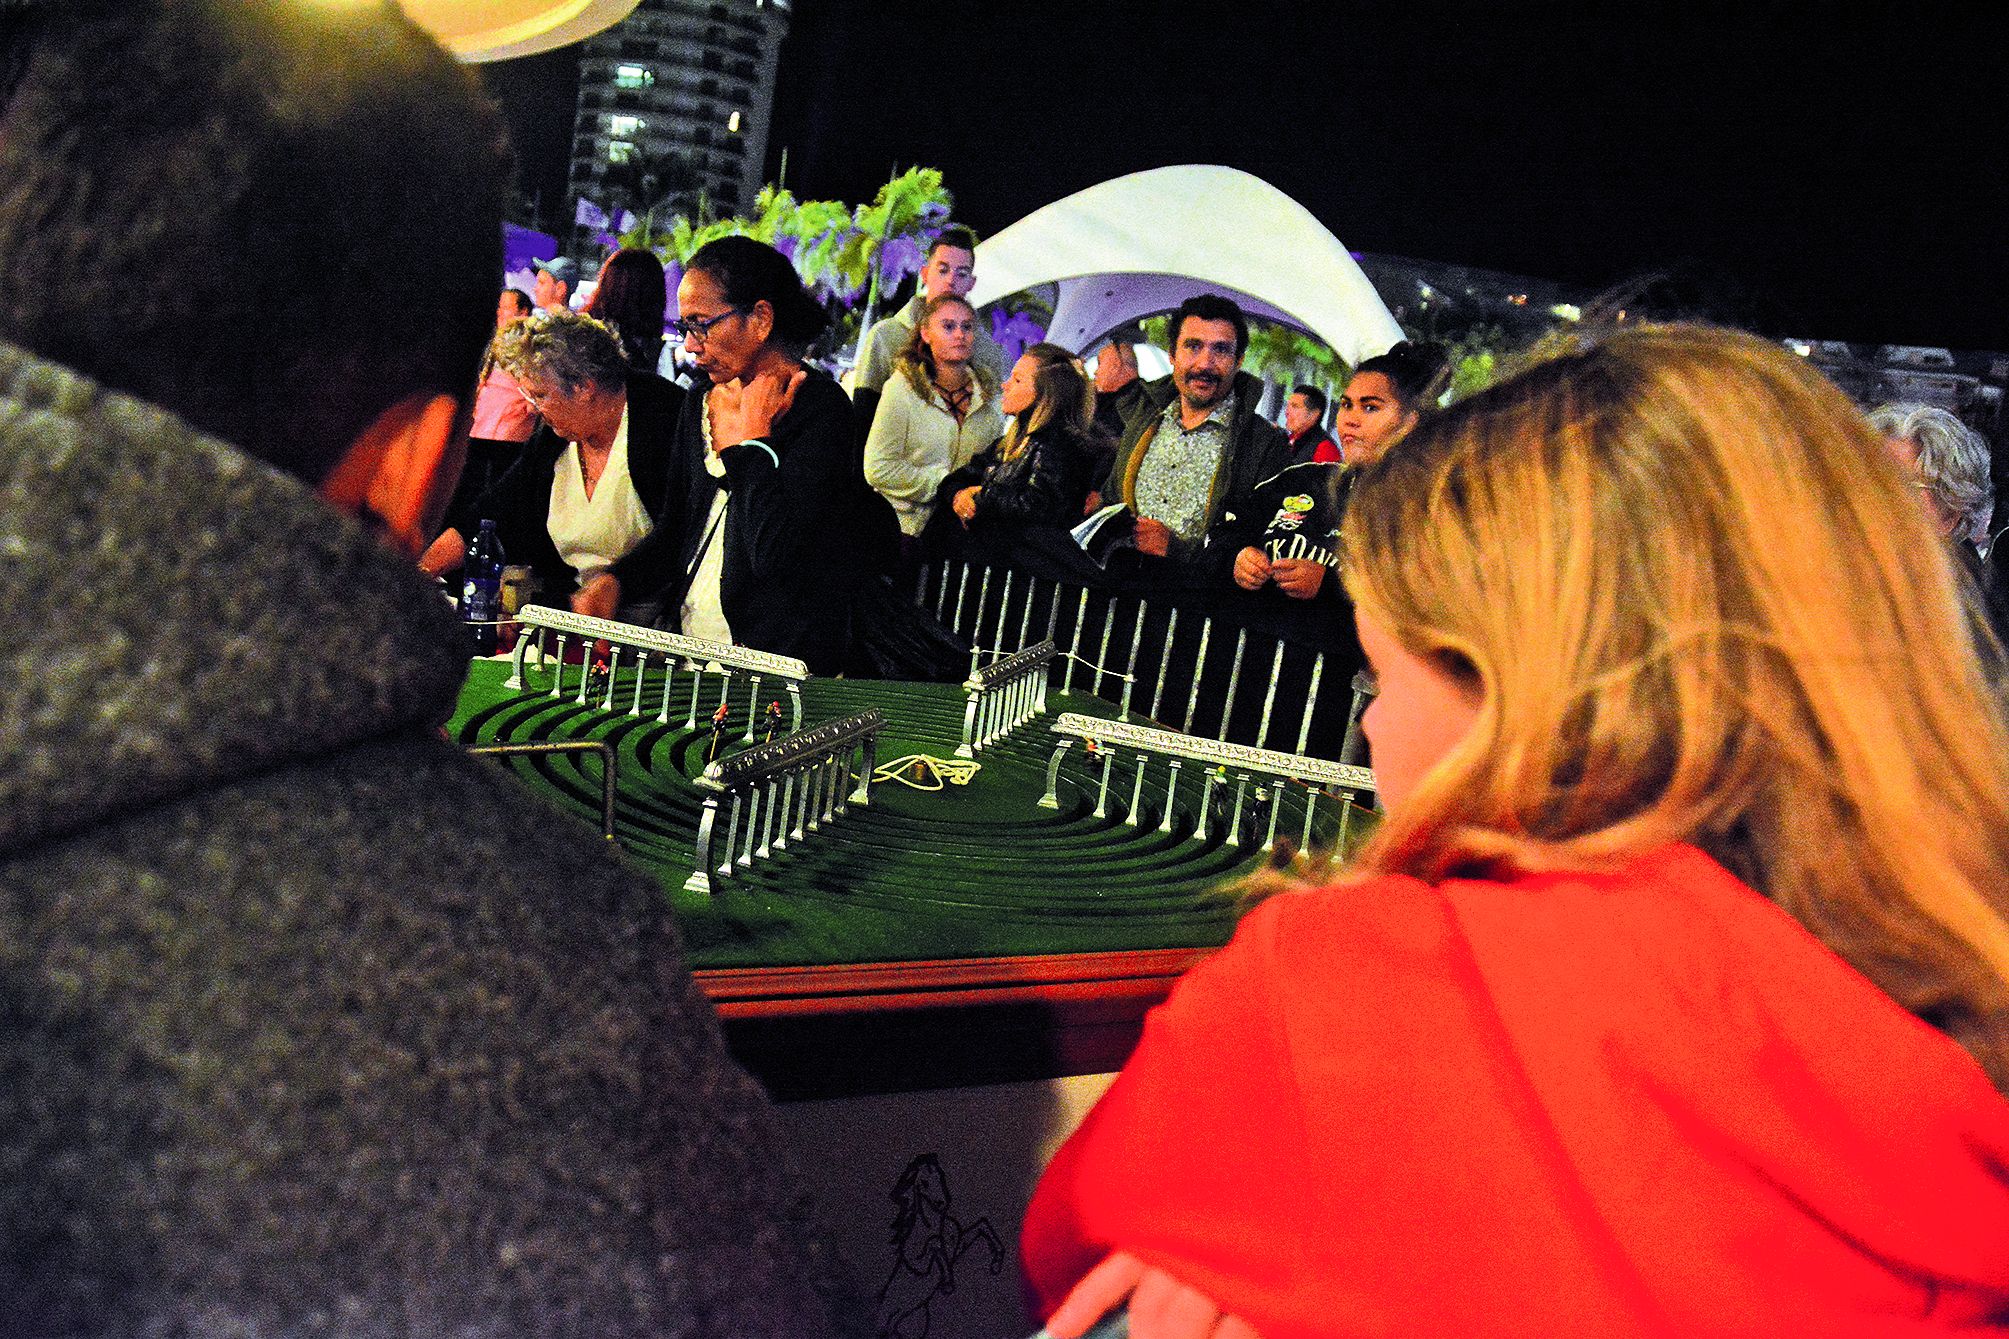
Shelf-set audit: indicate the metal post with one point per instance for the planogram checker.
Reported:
(1206, 803)
(515, 679)
(697, 689)
(794, 706)
(870, 765)
(1102, 652)
(1310, 702)
(1136, 790)
(1165, 660)
(983, 598)
(1102, 790)
(752, 708)
(1074, 652)
(1025, 617)
(1270, 698)
(558, 678)
(1199, 670)
(752, 826)
(641, 677)
(787, 810)
(1276, 811)
(700, 880)
(1171, 794)
(669, 675)
(732, 838)
(1241, 797)
(1234, 679)
(962, 589)
(1130, 670)
(1004, 607)
(1051, 800)
(1311, 795)
(613, 675)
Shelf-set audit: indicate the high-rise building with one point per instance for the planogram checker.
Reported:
(685, 90)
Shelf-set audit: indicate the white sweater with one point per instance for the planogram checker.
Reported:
(915, 444)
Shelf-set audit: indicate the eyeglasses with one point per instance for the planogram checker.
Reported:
(689, 329)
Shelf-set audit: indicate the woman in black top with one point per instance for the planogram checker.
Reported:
(1038, 472)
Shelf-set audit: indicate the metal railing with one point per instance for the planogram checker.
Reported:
(1183, 665)
(699, 657)
(1002, 696)
(1256, 776)
(785, 790)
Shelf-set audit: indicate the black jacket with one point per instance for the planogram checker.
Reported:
(1045, 484)
(801, 531)
(520, 501)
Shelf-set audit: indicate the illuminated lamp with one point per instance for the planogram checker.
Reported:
(485, 30)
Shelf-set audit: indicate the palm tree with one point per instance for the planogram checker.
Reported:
(909, 209)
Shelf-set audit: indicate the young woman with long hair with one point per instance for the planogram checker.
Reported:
(1038, 471)
(1672, 995)
(938, 410)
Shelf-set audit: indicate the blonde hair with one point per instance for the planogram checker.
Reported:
(1698, 602)
(916, 361)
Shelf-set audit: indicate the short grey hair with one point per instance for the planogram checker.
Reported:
(567, 350)
(1952, 462)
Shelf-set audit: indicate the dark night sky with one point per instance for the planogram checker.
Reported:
(1844, 167)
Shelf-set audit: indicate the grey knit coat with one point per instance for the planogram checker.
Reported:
(297, 1036)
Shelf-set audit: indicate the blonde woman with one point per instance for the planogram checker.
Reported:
(938, 411)
(1672, 996)
(1040, 470)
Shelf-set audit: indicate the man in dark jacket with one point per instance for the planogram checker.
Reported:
(1195, 448)
(296, 1036)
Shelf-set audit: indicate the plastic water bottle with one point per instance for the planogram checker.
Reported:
(481, 588)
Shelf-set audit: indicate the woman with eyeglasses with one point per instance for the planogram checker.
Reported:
(593, 483)
(765, 532)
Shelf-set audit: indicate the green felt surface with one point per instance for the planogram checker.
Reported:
(967, 871)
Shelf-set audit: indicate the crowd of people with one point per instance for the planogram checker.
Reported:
(1669, 997)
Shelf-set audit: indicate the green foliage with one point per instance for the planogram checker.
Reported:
(1476, 358)
(1290, 357)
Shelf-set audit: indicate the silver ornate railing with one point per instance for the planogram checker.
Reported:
(1246, 767)
(1002, 696)
(699, 657)
(784, 790)
(1151, 656)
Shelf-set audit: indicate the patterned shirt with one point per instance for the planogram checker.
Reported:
(1175, 482)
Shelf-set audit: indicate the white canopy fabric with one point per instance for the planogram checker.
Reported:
(1142, 244)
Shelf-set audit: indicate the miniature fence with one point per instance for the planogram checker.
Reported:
(785, 790)
(1177, 664)
(1004, 695)
(701, 657)
(1249, 767)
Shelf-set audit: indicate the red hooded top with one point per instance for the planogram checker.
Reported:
(1644, 1103)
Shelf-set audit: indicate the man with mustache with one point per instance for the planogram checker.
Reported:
(1195, 448)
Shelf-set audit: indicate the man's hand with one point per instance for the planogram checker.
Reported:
(1092, 505)
(1161, 1307)
(1153, 538)
(1299, 578)
(599, 596)
(742, 412)
(964, 503)
(1252, 569)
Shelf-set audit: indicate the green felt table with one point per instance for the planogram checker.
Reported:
(941, 905)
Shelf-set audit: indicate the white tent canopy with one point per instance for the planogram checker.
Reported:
(1142, 244)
